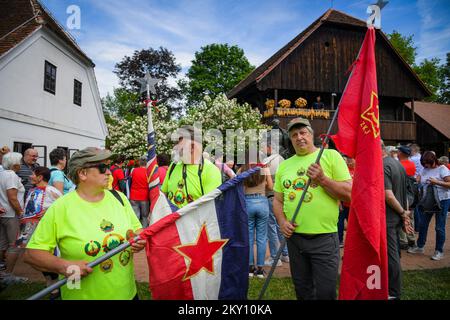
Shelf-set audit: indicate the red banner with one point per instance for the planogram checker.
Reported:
(364, 272)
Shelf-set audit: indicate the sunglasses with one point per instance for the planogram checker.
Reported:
(102, 167)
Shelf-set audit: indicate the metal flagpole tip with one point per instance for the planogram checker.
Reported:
(148, 83)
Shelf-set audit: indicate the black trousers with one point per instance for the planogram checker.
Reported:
(314, 262)
(394, 266)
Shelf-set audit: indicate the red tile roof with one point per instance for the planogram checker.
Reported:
(437, 115)
(20, 18)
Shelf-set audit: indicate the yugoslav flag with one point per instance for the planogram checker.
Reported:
(200, 251)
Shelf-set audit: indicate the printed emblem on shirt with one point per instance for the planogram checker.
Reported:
(125, 257)
(130, 234)
(106, 266)
(92, 248)
(292, 196)
(287, 183)
(106, 226)
(112, 241)
(179, 197)
(308, 197)
(301, 172)
(299, 184)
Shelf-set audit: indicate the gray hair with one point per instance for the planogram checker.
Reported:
(310, 129)
(10, 159)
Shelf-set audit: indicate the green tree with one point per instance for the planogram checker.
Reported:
(216, 69)
(444, 96)
(429, 71)
(161, 65)
(123, 104)
(404, 45)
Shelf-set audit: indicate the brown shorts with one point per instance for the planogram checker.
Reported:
(9, 231)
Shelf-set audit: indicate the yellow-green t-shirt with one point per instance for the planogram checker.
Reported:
(174, 186)
(319, 212)
(85, 231)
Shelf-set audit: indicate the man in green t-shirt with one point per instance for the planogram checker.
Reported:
(312, 240)
(193, 176)
(85, 224)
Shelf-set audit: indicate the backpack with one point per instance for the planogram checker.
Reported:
(429, 201)
(122, 183)
(412, 191)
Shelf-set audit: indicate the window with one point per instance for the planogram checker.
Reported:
(50, 77)
(77, 92)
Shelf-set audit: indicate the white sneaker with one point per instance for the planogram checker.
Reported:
(437, 255)
(269, 262)
(285, 258)
(415, 250)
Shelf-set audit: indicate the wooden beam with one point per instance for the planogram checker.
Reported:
(276, 98)
(413, 117)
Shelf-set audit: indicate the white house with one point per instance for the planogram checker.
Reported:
(48, 92)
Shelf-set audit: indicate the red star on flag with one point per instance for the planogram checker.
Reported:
(200, 254)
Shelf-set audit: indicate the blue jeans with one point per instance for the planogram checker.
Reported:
(441, 219)
(417, 221)
(274, 234)
(258, 214)
(343, 215)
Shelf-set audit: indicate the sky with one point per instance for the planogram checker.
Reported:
(112, 29)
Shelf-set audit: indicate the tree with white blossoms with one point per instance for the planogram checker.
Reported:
(129, 137)
(222, 114)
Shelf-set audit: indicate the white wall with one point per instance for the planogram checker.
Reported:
(28, 113)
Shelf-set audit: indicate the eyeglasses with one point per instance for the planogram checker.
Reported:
(102, 167)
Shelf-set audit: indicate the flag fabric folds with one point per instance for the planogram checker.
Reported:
(364, 272)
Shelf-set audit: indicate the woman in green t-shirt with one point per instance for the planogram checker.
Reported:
(85, 225)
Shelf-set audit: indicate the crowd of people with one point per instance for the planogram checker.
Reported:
(66, 214)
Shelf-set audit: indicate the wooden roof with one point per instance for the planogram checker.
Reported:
(437, 115)
(329, 18)
(21, 18)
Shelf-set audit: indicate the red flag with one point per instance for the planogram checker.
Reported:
(364, 272)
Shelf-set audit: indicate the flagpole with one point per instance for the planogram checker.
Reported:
(91, 264)
(297, 210)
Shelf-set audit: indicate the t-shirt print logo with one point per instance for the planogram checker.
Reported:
(112, 241)
(106, 226)
(370, 117)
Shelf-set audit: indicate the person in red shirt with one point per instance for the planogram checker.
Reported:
(404, 153)
(119, 182)
(139, 192)
(345, 206)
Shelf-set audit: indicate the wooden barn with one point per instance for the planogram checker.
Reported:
(317, 63)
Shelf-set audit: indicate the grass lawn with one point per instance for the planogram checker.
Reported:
(417, 285)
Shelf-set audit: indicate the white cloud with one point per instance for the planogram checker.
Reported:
(106, 80)
(434, 38)
(107, 51)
